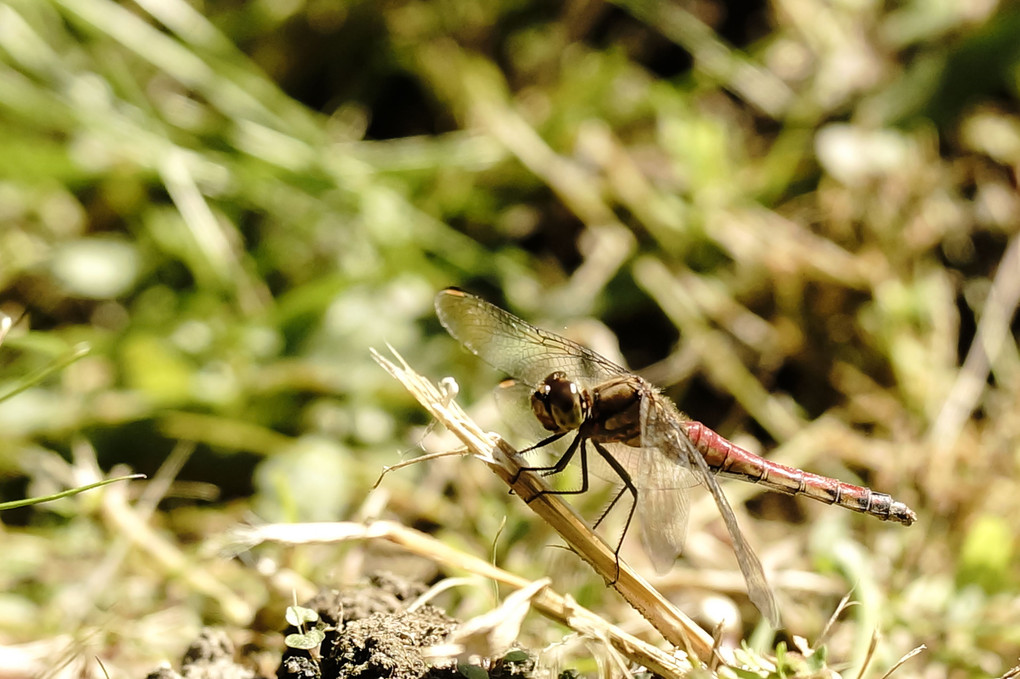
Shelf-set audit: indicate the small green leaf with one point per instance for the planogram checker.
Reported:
(745, 674)
(307, 641)
(67, 493)
(472, 671)
(516, 655)
(299, 615)
(816, 661)
(781, 662)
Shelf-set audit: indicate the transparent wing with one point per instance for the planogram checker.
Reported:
(516, 347)
(662, 505)
(663, 427)
(650, 469)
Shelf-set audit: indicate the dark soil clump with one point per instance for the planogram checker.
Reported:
(210, 656)
(372, 634)
(369, 632)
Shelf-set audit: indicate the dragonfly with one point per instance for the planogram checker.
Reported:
(654, 450)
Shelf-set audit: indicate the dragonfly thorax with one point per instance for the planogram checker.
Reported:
(559, 404)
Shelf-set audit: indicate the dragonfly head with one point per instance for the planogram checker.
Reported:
(559, 403)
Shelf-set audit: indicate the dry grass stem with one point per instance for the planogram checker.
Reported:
(993, 332)
(872, 645)
(904, 659)
(844, 604)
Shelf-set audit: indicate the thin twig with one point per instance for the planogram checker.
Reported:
(844, 604)
(871, 653)
(904, 659)
(415, 460)
(717, 634)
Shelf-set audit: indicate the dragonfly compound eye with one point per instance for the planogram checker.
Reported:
(557, 403)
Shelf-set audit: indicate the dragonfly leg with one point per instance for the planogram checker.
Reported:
(577, 444)
(628, 486)
(609, 507)
(555, 468)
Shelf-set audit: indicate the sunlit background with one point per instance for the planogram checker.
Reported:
(800, 217)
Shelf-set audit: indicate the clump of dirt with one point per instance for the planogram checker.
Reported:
(369, 632)
(210, 656)
(372, 634)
